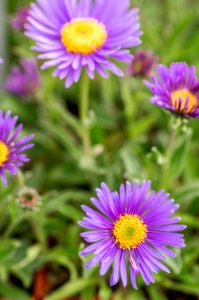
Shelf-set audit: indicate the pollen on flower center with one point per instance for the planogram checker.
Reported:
(83, 35)
(4, 153)
(129, 231)
(184, 100)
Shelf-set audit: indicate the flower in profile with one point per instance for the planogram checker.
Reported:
(19, 20)
(29, 198)
(176, 89)
(142, 64)
(23, 81)
(133, 227)
(75, 34)
(11, 149)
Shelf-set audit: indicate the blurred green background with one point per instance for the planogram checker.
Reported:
(39, 248)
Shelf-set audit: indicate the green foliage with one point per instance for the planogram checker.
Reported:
(130, 139)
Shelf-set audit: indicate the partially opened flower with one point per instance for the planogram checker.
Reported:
(11, 149)
(23, 80)
(19, 20)
(29, 198)
(177, 89)
(131, 228)
(142, 64)
(86, 33)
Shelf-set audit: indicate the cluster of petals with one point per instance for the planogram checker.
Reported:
(12, 147)
(47, 19)
(155, 210)
(23, 80)
(180, 80)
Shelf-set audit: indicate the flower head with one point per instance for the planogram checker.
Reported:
(177, 89)
(75, 34)
(11, 151)
(131, 225)
(23, 81)
(29, 198)
(19, 20)
(142, 64)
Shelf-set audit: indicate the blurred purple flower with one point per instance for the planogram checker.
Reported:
(176, 88)
(131, 228)
(11, 156)
(73, 35)
(142, 64)
(1, 61)
(24, 80)
(18, 21)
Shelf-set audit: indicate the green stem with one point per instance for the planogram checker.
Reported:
(38, 230)
(129, 103)
(84, 107)
(20, 179)
(168, 156)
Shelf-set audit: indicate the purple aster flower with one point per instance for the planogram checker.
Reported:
(131, 227)
(11, 151)
(23, 81)
(142, 64)
(86, 33)
(177, 89)
(18, 21)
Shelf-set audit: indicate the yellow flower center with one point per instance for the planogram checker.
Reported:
(4, 153)
(137, 66)
(129, 231)
(83, 36)
(187, 99)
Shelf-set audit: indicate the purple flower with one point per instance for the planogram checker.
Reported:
(131, 227)
(1, 61)
(11, 151)
(142, 64)
(23, 81)
(86, 33)
(18, 21)
(177, 89)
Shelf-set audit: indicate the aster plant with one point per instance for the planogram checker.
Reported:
(131, 228)
(176, 89)
(28, 198)
(23, 80)
(142, 64)
(12, 148)
(71, 35)
(19, 20)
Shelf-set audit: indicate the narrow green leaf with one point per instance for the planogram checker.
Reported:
(71, 288)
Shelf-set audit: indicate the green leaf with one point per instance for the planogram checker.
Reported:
(180, 154)
(155, 293)
(183, 288)
(58, 255)
(105, 292)
(175, 263)
(70, 212)
(71, 288)
(13, 292)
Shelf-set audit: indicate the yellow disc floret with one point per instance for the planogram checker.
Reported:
(129, 231)
(83, 35)
(184, 100)
(4, 153)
